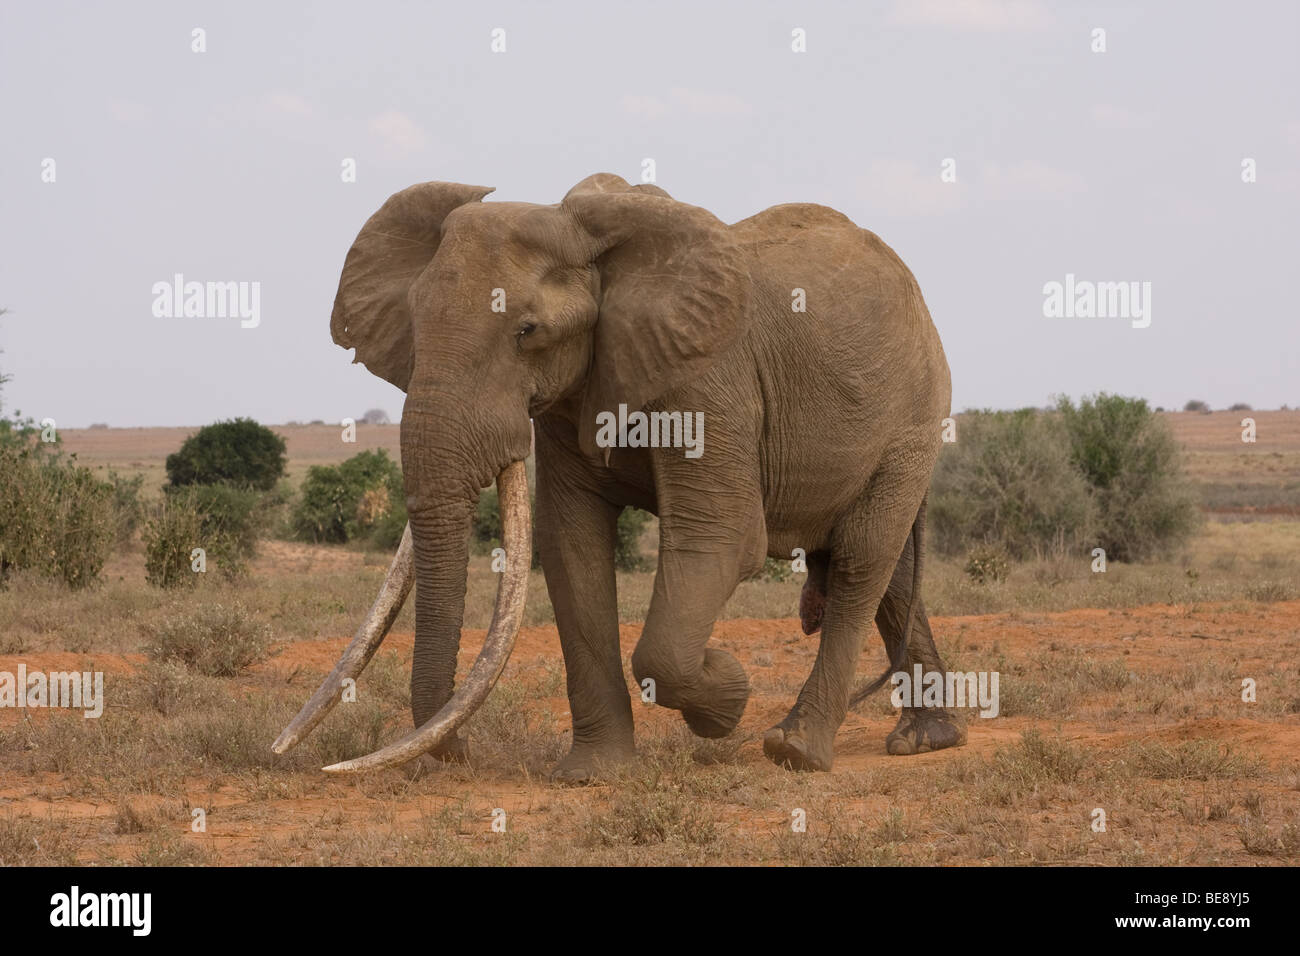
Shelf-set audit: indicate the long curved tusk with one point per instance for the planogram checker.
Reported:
(516, 529)
(371, 633)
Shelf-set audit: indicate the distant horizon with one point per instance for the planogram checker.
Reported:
(395, 421)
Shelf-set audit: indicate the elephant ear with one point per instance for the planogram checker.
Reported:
(674, 296)
(395, 245)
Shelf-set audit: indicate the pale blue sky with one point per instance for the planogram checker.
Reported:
(1115, 166)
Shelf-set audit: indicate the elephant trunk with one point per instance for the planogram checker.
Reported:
(435, 549)
(440, 532)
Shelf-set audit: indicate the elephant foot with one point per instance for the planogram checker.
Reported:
(455, 750)
(919, 731)
(723, 699)
(587, 764)
(799, 746)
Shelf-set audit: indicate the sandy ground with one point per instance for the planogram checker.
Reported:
(248, 824)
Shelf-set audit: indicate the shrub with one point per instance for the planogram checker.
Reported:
(239, 452)
(170, 536)
(171, 688)
(230, 522)
(485, 532)
(485, 524)
(627, 541)
(56, 517)
(1008, 481)
(362, 497)
(1240, 407)
(214, 640)
(126, 504)
(1196, 405)
(986, 563)
(386, 532)
(220, 519)
(1131, 461)
(274, 511)
(775, 570)
(321, 513)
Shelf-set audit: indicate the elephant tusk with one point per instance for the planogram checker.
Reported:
(371, 633)
(512, 591)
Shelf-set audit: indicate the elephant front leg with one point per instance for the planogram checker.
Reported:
(703, 554)
(576, 531)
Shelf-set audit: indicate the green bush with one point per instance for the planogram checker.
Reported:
(126, 504)
(1009, 481)
(19, 433)
(627, 541)
(324, 504)
(386, 533)
(485, 525)
(1131, 461)
(171, 534)
(275, 511)
(220, 519)
(986, 564)
(362, 498)
(56, 517)
(485, 532)
(775, 570)
(231, 523)
(239, 452)
(1106, 472)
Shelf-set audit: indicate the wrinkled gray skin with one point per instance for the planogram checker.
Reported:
(821, 432)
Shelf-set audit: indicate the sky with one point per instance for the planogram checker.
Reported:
(999, 147)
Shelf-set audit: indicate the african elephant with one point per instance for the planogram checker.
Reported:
(799, 342)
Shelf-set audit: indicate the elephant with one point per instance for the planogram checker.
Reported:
(799, 343)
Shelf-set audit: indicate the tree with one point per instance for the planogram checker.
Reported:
(375, 416)
(239, 452)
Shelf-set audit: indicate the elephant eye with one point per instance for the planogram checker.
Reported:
(525, 329)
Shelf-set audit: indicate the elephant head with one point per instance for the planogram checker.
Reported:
(487, 314)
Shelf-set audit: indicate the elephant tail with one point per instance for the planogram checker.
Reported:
(899, 660)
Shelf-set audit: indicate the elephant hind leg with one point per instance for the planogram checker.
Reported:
(863, 556)
(919, 729)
